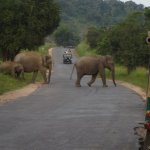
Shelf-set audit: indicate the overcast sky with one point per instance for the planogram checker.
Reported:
(146, 3)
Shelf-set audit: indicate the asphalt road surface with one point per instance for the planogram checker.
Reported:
(61, 116)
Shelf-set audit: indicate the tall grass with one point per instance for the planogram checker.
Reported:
(9, 83)
(139, 77)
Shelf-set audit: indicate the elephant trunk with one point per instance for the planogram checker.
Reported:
(72, 71)
(49, 74)
(113, 77)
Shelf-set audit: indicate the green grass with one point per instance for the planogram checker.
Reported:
(8, 83)
(139, 77)
(83, 49)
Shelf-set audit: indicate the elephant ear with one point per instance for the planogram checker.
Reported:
(46, 61)
(43, 60)
(109, 59)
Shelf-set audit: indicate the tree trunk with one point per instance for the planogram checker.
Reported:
(5, 55)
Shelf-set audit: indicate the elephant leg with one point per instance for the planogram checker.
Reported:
(18, 74)
(34, 76)
(92, 80)
(22, 74)
(13, 72)
(49, 74)
(103, 76)
(43, 72)
(79, 77)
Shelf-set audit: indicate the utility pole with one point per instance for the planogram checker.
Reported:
(147, 116)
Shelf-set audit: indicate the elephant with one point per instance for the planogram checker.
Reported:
(12, 68)
(34, 62)
(92, 65)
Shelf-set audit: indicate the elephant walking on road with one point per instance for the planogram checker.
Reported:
(92, 65)
(34, 62)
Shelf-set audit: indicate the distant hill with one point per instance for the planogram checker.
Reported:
(80, 14)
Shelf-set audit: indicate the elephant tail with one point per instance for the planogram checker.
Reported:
(72, 72)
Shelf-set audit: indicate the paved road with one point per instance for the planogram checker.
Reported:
(61, 116)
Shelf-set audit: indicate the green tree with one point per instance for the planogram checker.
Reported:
(24, 24)
(92, 37)
(126, 42)
(63, 36)
(82, 14)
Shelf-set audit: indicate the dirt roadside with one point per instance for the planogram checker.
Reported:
(136, 89)
(25, 91)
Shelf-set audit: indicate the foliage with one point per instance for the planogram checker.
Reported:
(8, 83)
(125, 41)
(91, 37)
(138, 77)
(63, 36)
(94, 35)
(80, 14)
(84, 49)
(24, 24)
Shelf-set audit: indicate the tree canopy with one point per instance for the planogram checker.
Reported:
(83, 13)
(24, 24)
(126, 41)
(63, 36)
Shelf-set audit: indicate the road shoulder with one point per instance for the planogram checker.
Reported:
(25, 91)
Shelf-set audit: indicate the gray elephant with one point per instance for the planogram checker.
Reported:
(34, 62)
(92, 65)
(12, 68)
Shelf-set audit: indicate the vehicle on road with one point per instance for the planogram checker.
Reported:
(67, 57)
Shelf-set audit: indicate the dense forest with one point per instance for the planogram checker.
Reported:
(25, 24)
(80, 14)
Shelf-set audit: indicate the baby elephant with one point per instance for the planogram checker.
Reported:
(12, 68)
